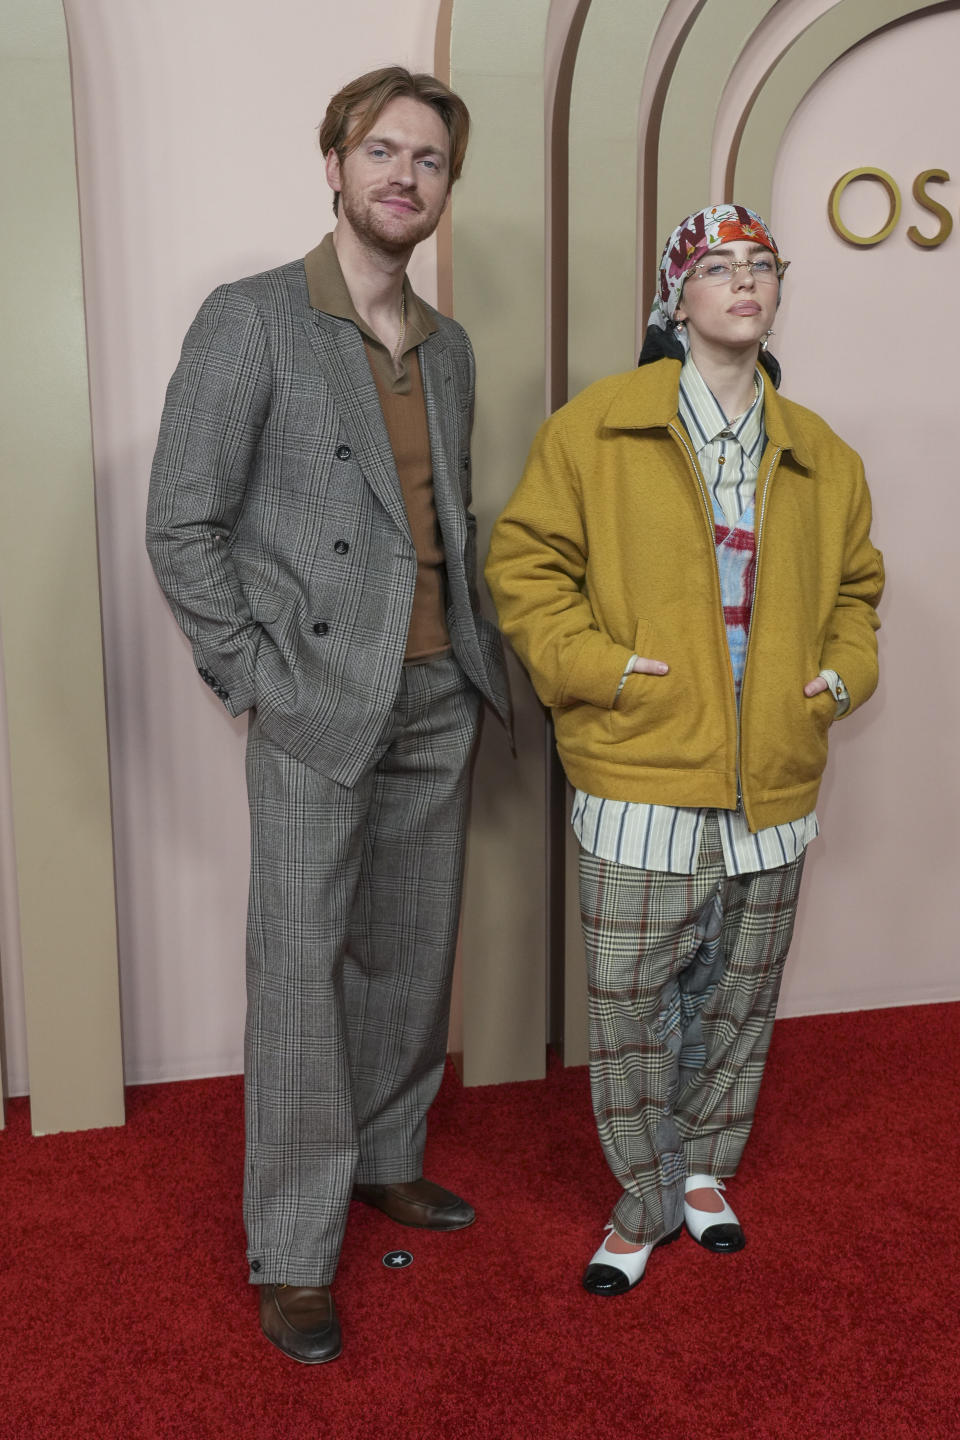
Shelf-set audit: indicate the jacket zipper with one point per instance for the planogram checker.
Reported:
(756, 590)
(708, 508)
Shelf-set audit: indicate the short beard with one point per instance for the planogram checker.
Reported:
(364, 225)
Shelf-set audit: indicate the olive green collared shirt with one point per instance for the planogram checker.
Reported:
(400, 388)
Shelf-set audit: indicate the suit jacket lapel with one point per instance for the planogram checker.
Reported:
(341, 356)
(442, 402)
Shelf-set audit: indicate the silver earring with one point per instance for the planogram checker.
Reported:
(766, 340)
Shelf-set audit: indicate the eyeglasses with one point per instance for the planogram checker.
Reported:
(765, 269)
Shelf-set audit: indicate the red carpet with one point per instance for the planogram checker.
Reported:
(125, 1311)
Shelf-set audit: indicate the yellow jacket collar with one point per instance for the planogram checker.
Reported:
(648, 398)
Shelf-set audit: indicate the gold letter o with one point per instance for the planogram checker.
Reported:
(866, 172)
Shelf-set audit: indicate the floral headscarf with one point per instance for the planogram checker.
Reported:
(693, 237)
(705, 230)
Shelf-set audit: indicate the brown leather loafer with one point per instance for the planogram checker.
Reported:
(301, 1321)
(419, 1203)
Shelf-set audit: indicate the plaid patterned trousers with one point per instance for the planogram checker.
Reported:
(684, 974)
(352, 927)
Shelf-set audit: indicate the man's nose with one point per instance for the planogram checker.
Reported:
(403, 171)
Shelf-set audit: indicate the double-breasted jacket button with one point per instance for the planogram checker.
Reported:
(344, 452)
(341, 547)
(320, 627)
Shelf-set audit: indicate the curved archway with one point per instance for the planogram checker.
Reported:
(788, 80)
(668, 102)
(773, 37)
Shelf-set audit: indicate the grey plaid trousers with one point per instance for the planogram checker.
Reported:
(352, 927)
(684, 974)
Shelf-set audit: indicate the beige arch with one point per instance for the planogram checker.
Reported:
(689, 116)
(705, 72)
(496, 62)
(681, 51)
(57, 832)
(564, 32)
(624, 61)
(772, 38)
(665, 54)
(639, 156)
(630, 71)
(797, 70)
(625, 53)
(11, 953)
(615, 196)
(518, 97)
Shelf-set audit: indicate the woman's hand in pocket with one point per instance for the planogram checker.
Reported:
(643, 666)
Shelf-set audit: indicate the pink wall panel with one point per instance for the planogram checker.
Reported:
(198, 163)
(867, 337)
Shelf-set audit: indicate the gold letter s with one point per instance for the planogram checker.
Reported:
(935, 208)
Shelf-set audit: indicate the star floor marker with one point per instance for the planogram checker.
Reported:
(397, 1259)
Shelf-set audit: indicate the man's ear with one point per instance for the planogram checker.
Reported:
(332, 164)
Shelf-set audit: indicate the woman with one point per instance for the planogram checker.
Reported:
(686, 571)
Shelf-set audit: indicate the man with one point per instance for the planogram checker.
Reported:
(309, 522)
(687, 573)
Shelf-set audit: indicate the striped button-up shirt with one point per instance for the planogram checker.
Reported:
(667, 837)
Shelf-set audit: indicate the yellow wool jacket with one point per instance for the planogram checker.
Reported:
(607, 549)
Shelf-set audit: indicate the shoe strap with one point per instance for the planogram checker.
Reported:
(610, 1229)
(703, 1182)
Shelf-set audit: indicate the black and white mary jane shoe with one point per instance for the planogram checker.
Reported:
(716, 1230)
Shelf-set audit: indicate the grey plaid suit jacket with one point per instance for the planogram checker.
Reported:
(276, 523)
